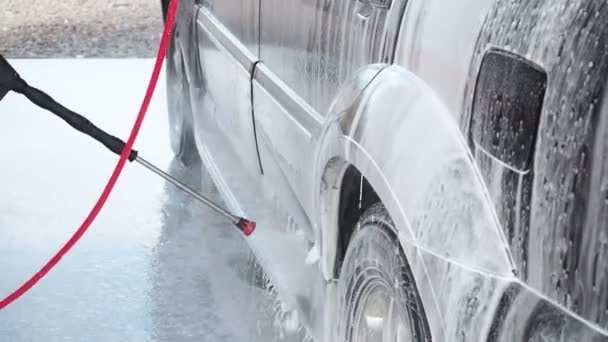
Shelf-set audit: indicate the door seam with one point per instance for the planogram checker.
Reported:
(255, 133)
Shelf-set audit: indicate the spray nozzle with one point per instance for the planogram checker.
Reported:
(246, 226)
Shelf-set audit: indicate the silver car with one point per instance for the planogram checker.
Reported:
(420, 170)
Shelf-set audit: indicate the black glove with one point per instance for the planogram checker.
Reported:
(9, 79)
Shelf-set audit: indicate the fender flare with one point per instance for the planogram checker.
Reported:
(365, 132)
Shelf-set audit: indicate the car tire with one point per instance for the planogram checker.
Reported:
(164, 5)
(180, 110)
(378, 298)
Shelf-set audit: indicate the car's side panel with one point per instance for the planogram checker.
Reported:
(568, 231)
(308, 50)
(478, 307)
(437, 41)
(559, 234)
(239, 17)
(314, 46)
(287, 131)
(222, 100)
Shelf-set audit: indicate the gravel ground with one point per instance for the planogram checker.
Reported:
(80, 28)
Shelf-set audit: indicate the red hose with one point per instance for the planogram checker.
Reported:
(117, 171)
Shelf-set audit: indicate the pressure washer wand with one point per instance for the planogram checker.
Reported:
(244, 225)
(10, 80)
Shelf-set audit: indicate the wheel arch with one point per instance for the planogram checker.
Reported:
(385, 132)
(397, 127)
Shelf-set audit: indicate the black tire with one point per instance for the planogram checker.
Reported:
(164, 5)
(180, 109)
(375, 267)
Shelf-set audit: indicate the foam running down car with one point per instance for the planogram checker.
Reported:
(419, 170)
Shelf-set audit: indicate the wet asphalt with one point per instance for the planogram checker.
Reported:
(155, 266)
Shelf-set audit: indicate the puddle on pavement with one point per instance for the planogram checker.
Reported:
(227, 291)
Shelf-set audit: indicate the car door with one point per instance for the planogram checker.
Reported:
(227, 33)
(308, 49)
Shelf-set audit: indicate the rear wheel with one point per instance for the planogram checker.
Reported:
(180, 108)
(379, 300)
(164, 5)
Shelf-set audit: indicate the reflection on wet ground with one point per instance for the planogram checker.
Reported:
(205, 279)
(156, 266)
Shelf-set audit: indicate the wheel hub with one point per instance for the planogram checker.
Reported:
(379, 318)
